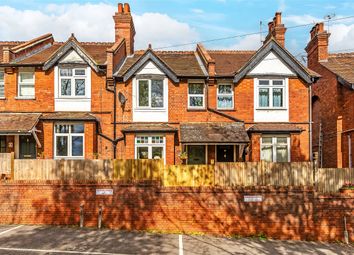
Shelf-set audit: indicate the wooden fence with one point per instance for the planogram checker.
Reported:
(5, 163)
(332, 179)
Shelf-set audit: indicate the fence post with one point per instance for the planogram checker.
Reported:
(12, 173)
(315, 169)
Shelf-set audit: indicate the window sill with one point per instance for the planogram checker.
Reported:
(25, 98)
(2, 98)
(225, 109)
(271, 109)
(150, 109)
(196, 109)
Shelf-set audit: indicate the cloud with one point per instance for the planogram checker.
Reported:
(250, 42)
(342, 37)
(197, 11)
(300, 19)
(91, 22)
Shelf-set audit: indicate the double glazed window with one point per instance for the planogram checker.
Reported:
(196, 154)
(275, 149)
(271, 93)
(2, 84)
(225, 96)
(26, 84)
(149, 147)
(150, 94)
(69, 140)
(195, 95)
(72, 82)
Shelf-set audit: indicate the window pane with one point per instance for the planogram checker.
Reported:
(142, 139)
(77, 146)
(1, 77)
(142, 152)
(278, 97)
(79, 71)
(267, 153)
(79, 87)
(77, 128)
(196, 154)
(157, 139)
(60, 129)
(267, 140)
(225, 89)
(26, 77)
(62, 146)
(2, 90)
(196, 101)
(157, 152)
(196, 88)
(27, 90)
(263, 97)
(282, 153)
(65, 87)
(143, 93)
(156, 93)
(66, 72)
(278, 82)
(263, 82)
(282, 140)
(225, 102)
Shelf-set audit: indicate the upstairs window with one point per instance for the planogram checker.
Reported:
(2, 85)
(69, 140)
(271, 93)
(26, 84)
(72, 82)
(196, 95)
(150, 94)
(275, 149)
(225, 96)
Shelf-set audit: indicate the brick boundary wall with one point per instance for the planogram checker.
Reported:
(285, 213)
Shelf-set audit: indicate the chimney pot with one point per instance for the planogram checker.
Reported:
(320, 27)
(126, 8)
(120, 8)
(277, 18)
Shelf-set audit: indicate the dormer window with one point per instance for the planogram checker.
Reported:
(72, 82)
(271, 93)
(150, 93)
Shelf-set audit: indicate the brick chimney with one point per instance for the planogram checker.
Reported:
(317, 48)
(124, 26)
(6, 55)
(276, 30)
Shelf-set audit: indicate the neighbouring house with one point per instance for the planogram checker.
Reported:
(86, 100)
(333, 101)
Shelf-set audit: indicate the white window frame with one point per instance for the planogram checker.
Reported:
(72, 81)
(196, 95)
(225, 95)
(69, 135)
(270, 87)
(274, 145)
(2, 84)
(149, 94)
(32, 83)
(149, 144)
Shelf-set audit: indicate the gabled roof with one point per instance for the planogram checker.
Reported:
(342, 65)
(273, 46)
(71, 44)
(149, 55)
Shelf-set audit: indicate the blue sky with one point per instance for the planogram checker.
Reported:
(170, 22)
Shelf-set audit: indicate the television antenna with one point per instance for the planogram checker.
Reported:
(328, 18)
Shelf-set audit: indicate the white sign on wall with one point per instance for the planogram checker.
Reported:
(104, 192)
(256, 198)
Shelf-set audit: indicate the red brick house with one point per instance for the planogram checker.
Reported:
(79, 100)
(333, 101)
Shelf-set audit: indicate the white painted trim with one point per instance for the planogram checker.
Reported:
(274, 144)
(232, 95)
(69, 135)
(150, 144)
(196, 95)
(19, 84)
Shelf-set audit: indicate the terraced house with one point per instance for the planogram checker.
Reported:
(85, 100)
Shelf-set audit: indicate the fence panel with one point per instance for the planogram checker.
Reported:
(330, 180)
(138, 169)
(5, 163)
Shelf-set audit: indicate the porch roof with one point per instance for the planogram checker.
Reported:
(275, 128)
(149, 128)
(72, 116)
(214, 132)
(18, 123)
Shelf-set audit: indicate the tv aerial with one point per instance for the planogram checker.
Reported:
(328, 19)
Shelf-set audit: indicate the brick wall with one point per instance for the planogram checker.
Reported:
(284, 213)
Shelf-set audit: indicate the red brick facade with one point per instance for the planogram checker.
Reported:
(291, 213)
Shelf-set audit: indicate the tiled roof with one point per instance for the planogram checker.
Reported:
(68, 116)
(227, 63)
(274, 127)
(182, 63)
(214, 132)
(18, 122)
(342, 65)
(7, 44)
(148, 127)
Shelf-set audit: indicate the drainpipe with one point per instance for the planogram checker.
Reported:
(350, 163)
(310, 121)
(115, 119)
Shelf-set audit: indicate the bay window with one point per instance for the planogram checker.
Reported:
(225, 96)
(72, 82)
(275, 148)
(2, 84)
(150, 94)
(26, 84)
(271, 93)
(196, 95)
(150, 147)
(69, 140)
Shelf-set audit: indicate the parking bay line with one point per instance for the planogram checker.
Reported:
(8, 230)
(58, 251)
(180, 244)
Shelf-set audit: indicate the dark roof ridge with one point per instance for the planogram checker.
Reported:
(341, 54)
(231, 51)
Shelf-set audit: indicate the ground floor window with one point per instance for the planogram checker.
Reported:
(225, 153)
(196, 154)
(2, 144)
(275, 148)
(69, 140)
(149, 147)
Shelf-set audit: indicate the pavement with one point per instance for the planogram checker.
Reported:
(29, 239)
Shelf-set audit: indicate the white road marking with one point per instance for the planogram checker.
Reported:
(58, 251)
(6, 231)
(180, 245)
